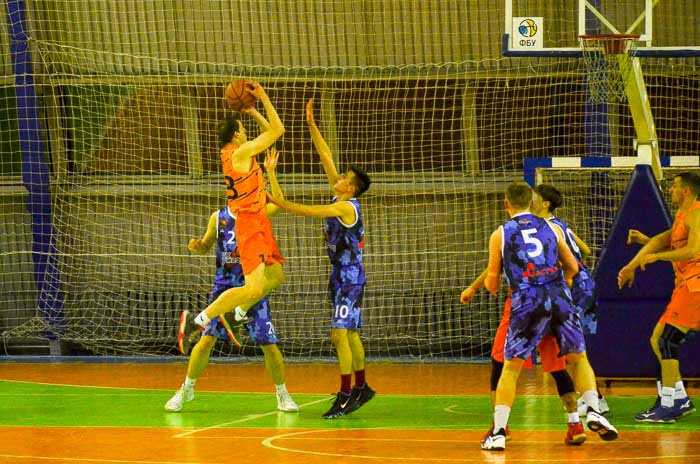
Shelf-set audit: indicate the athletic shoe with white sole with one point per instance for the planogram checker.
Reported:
(182, 396)
(600, 425)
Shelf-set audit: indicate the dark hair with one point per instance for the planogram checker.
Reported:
(519, 194)
(360, 181)
(690, 180)
(551, 194)
(226, 128)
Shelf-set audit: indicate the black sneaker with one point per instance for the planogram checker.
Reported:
(341, 406)
(360, 395)
(187, 333)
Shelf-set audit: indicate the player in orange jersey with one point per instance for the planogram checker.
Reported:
(246, 196)
(681, 246)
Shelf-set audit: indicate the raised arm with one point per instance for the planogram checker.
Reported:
(259, 118)
(271, 158)
(469, 292)
(269, 136)
(201, 246)
(322, 147)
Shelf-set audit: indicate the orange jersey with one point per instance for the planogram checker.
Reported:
(245, 191)
(685, 270)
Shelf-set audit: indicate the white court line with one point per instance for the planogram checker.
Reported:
(129, 461)
(268, 443)
(244, 419)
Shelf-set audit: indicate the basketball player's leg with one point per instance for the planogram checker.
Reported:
(198, 361)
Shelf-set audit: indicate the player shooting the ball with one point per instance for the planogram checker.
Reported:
(260, 256)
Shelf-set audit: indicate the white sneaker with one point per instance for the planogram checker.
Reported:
(583, 408)
(286, 403)
(496, 441)
(600, 425)
(180, 397)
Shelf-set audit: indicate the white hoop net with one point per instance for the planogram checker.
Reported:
(609, 61)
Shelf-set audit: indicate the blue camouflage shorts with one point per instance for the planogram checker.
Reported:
(347, 306)
(260, 329)
(543, 310)
(583, 294)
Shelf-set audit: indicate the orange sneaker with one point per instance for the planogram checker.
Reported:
(575, 434)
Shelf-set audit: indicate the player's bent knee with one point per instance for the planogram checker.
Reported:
(565, 383)
(670, 341)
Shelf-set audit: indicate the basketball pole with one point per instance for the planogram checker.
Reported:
(646, 144)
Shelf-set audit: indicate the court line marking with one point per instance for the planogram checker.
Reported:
(58, 458)
(268, 443)
(245, 419)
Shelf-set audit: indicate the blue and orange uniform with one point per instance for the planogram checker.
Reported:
(541, 301)
(345, 244)
(229, 274)
(246, 197)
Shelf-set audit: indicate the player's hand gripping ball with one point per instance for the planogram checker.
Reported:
(239, 95)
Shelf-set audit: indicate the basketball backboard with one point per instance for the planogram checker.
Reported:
(551, 27)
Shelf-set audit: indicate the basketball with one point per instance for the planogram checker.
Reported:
(238, 95)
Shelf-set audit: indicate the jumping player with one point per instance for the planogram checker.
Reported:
(229, 274)
(681, 246)
(261, 259)
(344, 235)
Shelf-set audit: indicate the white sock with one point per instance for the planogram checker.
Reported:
(500, 417)
(680, 393)
(572, 417)
(189, 383)
(238, 313)
(281, 388)
(590, 397)
(659, 386)
(202, 320)
(667, 396)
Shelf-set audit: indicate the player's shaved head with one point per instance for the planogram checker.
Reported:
(519, 194)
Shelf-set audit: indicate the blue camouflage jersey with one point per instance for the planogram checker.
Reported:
(229, 271)
(345, 243)
(583, 285)
(530, 255)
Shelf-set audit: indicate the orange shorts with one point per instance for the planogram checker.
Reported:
(256, 242)
(684, 308)
(549, 355)
(499, 341)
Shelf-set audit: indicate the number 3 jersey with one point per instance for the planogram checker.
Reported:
(345, 243)
(229, 272)
(530, 255)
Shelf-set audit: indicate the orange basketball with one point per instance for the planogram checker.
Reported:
(238, 95)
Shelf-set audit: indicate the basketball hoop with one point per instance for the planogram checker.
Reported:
(609, 63)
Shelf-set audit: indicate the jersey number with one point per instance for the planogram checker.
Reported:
(229, 186)
(341, 311)
(527, 238)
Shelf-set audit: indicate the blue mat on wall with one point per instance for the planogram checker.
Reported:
(626, 317)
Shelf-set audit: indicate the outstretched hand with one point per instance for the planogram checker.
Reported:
(256, 89)
(625, 277)
(467, 295)
(271, 157)
(635, 236)
(195, 245)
